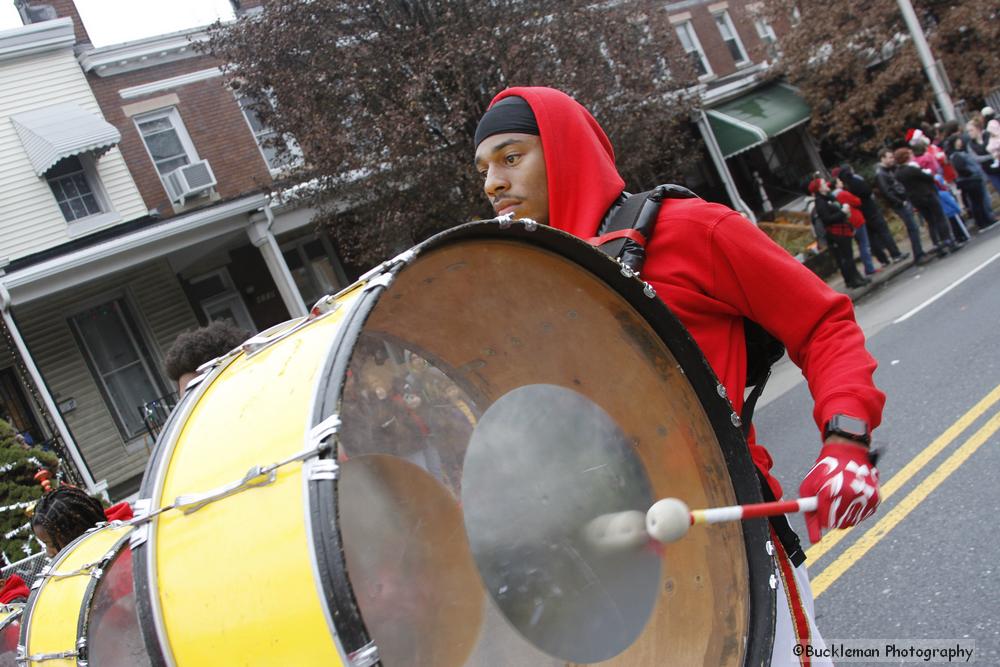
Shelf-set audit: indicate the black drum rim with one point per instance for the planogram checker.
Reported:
(339, 594)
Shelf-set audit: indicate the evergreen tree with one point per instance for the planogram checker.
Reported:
(18, 492)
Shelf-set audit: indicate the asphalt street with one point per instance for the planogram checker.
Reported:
(925, 566)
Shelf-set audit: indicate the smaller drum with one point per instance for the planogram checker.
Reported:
(82, 606)
(10, 629)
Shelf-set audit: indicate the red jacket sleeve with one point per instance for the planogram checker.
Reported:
(815, 323)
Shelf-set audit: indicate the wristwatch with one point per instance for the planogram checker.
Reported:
(848, 427)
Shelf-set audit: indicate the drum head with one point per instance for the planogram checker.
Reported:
(507, 389)
(10, 629)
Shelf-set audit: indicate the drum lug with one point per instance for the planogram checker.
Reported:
(404, 257)
(381, 280)
(323, 431)
(529, 224)
(649, 291)
(505, 220)
(255, 476)
(322, 469)
(773, 582)
(735, 419)
(366, 656)
(721, 388)
(627, 270)
(140, 533)
(769, 547)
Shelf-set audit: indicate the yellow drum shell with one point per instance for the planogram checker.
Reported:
(51, 617)
(220, 572)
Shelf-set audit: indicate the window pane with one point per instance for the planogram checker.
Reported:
(699, 65)
(67, 211)
(325, 275)
(155, 125)
(167, 166)
(164, 145)
(79, 210)
(107, 339)
(734, 50)
(129, 389)
(90, 202)
(69, 186)
(682, 33)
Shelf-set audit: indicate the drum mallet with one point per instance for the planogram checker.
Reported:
(668, 520)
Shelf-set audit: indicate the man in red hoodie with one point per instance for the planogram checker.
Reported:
(543, 156)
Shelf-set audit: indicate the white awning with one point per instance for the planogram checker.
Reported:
(52, 133)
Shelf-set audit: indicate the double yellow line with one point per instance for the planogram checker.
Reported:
(874, 535)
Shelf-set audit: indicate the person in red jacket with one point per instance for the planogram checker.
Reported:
(543, 156)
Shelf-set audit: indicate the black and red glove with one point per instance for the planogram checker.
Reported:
(845, 483)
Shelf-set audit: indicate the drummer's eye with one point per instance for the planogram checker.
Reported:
(512, 158)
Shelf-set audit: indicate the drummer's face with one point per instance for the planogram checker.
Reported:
(513, 169)
(43, 536)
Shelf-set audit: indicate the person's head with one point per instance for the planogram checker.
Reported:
(975, 127)
(886, 158)
(956, 142)
(63, 515)
(819, 186)
(949, 128)
(511, 160)
(903, 156)
(988, 113)
(193, 348)
(542, 155)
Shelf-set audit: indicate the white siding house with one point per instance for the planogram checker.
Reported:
(41, 78)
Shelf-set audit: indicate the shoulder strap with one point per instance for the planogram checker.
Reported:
(629, 223)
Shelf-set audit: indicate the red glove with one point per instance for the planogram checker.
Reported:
(845, 483)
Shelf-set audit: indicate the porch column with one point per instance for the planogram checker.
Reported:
(811, 150)
(261, 236)
(720, 166)
(22, 351)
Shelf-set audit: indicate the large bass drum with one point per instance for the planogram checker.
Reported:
(81, 610)
(412, 474)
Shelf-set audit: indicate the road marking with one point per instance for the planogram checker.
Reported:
(915, 465)
(875, 534)
(906, 316)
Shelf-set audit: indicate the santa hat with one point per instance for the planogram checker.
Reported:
(835, 172)
(119, 512)
(814, 185)
(987, 111)
(915, 136)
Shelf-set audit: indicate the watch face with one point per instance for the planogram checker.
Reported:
(850, 425)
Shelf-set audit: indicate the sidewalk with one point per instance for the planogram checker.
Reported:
(836, 281)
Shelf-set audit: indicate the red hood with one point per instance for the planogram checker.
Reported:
(13, 589)
(579, 160)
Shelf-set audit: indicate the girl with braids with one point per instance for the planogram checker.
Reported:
(63, 515)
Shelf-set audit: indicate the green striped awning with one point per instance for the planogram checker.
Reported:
(752, 119)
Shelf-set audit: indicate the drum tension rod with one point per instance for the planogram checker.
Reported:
(254, 477)
(43, 657)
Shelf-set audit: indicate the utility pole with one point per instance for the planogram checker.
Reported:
(927, 59)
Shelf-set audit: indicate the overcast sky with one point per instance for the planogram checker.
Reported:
(115, 21)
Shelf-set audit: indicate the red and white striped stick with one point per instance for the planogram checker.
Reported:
(669, 519)
(753, 510)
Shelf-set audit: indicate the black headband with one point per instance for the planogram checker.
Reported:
(511, 114)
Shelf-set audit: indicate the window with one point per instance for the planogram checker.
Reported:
(166, 140)
(119, 361)
(730, 37)
(74, 187)
(692, 47)
(310, 266)
(268, 141)
(766, 33)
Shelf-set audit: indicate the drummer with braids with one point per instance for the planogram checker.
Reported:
(66, 513)
(543, 156)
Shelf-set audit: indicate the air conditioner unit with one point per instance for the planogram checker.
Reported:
(191, 179)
